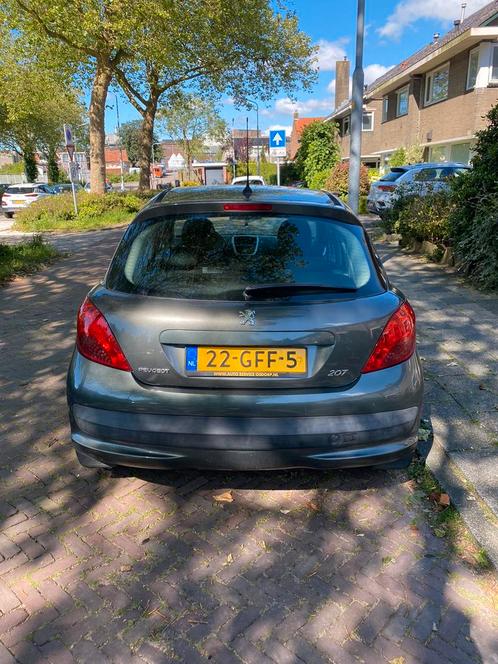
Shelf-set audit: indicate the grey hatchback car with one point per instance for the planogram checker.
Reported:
(245, 331)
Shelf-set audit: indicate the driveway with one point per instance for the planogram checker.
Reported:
(197, 567)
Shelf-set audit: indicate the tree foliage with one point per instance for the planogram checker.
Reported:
(318, 151)
(130, 137)
(192, 120)
(35, 102)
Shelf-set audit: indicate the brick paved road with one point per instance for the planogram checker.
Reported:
(148, 567)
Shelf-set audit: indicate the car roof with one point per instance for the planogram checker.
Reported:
(25, 185)
(284, 199)
(436, 164)
(234, 193)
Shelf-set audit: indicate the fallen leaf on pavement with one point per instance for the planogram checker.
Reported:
(284, 511)
(229, 558)
(313, 505)
(224, 497)
(444, 499)
(125, 568)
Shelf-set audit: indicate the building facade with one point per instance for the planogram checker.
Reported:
(436, 99)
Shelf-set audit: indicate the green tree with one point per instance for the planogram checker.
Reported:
(246, 49)
(129, 136)
(85, 37)
(318, 152)
(35, 101)
(191, 120)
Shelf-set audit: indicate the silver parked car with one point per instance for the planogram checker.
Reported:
(417, 179)
(245, 333)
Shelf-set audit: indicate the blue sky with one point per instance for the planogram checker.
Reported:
(394, 30)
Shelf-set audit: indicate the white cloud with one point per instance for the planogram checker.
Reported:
(329, 52)
(408, 12)
(373, 72)
(321, 106)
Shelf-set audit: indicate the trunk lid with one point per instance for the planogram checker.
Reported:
(156, 333)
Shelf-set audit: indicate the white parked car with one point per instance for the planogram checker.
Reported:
(253, 180)
(18, 196)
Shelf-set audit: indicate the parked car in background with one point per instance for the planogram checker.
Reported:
(416, 179)
(66, 188)
(108, 187)
(253, 180)
(18, 196)
(245, 332)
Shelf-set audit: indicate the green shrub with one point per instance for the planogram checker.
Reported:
(127, 177)
(319, 179)
(425, 218)
(477, 248)
(94, 211)
(338, 180)
(397, 158)
(24, 257)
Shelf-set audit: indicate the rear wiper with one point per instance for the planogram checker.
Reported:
(275, 290)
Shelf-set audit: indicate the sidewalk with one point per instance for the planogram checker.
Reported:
(458, 344)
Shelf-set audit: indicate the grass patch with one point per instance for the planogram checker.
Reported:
(445, 521)
(56, 213)
(25, 257)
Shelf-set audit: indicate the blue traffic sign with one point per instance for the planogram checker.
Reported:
(277, 138)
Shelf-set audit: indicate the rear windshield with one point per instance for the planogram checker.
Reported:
(21, 190)
(392, 176)
(217, 257)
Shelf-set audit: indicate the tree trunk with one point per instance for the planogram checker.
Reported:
(147, 139)
(101, 82)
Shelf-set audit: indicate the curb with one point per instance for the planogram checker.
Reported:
(474, 510)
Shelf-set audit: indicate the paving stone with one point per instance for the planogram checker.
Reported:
(135, 567)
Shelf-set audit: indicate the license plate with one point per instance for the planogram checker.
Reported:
(245, 362)
(18, 202)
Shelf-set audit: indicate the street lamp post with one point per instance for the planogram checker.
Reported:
(258, 161)
(357, 113)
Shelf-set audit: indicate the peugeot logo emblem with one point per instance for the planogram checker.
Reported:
(247, 317)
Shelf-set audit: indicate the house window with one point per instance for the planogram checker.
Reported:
(436, 85)
(494, 65)
(402, 97)
(346, 126)
(385, 108)
(473, 68)
(367, 121)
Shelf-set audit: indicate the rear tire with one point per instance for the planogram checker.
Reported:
(90, 462)
(9, 215)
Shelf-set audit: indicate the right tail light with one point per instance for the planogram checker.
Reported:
(396, 344)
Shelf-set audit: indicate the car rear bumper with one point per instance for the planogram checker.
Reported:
(373, 422)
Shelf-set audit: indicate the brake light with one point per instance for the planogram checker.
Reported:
(248, 207)
(386, 187)
(95, 339)
(396, 344)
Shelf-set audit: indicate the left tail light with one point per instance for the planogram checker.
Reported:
(396, 344)
(95, 339)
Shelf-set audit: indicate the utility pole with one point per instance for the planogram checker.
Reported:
(357, 113)
(120, 145)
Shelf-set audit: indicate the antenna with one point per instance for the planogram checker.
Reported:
(247, 191)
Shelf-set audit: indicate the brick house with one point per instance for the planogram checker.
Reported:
(437, 98)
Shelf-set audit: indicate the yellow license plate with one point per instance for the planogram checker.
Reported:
(18, 202)
(244, 362)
